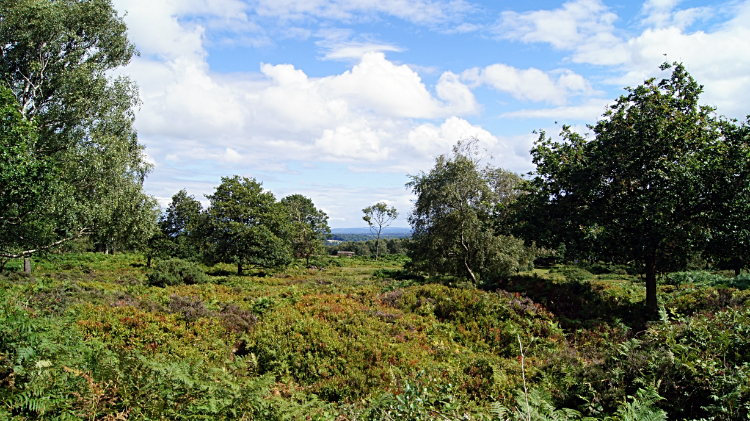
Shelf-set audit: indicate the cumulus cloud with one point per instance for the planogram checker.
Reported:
(584, 26)
(261, 119)
(530, 84)
(719, 59)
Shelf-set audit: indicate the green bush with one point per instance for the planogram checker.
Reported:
(741, 281)
(573, 273)
(698, 277)
(176, 272)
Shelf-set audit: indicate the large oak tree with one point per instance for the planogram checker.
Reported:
(247, 226)
(647, 187)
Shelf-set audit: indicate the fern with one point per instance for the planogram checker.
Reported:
(640, 408)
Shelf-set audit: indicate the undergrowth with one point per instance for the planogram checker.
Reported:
(89, 336)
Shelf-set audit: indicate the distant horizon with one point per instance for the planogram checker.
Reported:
(333, 230)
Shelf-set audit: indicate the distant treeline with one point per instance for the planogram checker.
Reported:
(367, 248)
(365, 237)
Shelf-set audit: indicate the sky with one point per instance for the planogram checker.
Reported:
(343, 100)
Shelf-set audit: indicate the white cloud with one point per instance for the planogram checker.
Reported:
(340, 44)
(580, 25)
(719, 59)
(661, 14)
(589, 111)
(529, 84)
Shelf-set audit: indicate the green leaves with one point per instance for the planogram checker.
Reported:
(379, 216)
(247, 226)
(454, 219)
(55, 58)
(645, 188)
(309, 226)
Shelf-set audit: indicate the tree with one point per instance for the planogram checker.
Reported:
(309, 226)
(379, 216)
(643, 189)
(55, 59)
(182, 223)
(453, 220)
(730, 229)
(247, 226)
(26, 183)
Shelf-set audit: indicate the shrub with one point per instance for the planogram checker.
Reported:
(573, 273)
(190, 309)
(176, 272)
(698, 277)
(741, 281)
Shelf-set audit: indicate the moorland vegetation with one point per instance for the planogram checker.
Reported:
(607, 284)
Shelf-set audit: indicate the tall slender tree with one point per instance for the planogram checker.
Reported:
(379, 216)
(454, 218)
(55, 57)
(309, 226)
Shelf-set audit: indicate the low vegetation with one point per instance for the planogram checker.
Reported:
(94, 336)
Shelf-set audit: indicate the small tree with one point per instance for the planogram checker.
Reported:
(247, 226)
(379, 216)
(454, 217)
(309, 226)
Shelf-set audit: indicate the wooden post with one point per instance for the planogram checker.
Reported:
(27, 265)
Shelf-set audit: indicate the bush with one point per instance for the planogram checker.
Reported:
(176, 272)
(573, 273)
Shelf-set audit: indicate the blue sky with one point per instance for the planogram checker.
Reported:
(341, 100)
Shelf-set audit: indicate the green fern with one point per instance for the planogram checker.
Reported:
(640, 408)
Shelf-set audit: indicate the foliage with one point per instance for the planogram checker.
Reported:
(27, 181)
(309, 226)
(390, 246)
(176, 272)
(246, 225)
(87, 336)
(56, 58)
(180, 228)
(454, 216)
(379, 216)
(644, 188)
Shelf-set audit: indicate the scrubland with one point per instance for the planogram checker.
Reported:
(86, 337)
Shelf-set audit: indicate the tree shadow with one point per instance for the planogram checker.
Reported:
(576, 304)
(219, 272)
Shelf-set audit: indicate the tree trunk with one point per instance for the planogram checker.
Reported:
(239, 268)
(651, 284)
(148, 263)
(377, 247)
(27, 265)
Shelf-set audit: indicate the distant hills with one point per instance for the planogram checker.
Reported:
(386, 230)
(364, 234)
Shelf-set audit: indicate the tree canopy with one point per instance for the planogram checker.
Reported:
(55, 58)
(309, 226)
(247, 226)
(453, 219)
(646, 187)
(379, 216)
